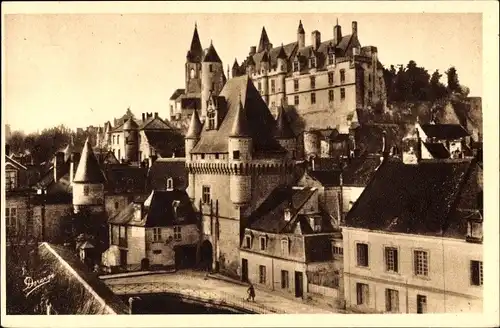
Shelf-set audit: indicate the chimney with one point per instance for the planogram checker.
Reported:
(74, 160)
(143, 117)
(315, 39)
(156, 115)
(354, 28)
(58, 165)
(7, 150)
(337, 34)
(253, 50)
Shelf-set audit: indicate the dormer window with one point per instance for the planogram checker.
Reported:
(474, 231)
(86, 190)
(312, 62)
(288, 215)
(211, 120)
(330, 59)
(175, 206)
(296, 66)
(170, 184)
(248, 241)
(263, 243)
(315, 223)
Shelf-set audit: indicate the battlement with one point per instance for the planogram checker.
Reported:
(269, 72)
(240, 168)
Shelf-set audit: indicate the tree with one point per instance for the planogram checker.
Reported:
(453, 82)
(437, 89)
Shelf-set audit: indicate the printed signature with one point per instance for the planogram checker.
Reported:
(31, 285)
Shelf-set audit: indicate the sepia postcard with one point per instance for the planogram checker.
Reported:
(250, 163)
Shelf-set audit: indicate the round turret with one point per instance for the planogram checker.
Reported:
(212, 77)
(131, 134)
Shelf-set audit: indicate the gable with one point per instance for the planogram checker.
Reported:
(156, 124)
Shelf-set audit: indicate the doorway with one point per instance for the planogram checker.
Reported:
(123, 258)
(299, 283)
(244, 270)
(206, 255)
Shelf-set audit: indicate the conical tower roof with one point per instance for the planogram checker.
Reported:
(70, 148)
(301, 28)
(194, 127)
(211, 55)
(195, 51)
(240, 125)
(236, 65)
(88, 170)
(282, 53)
(283, 129)
(130, 124)
(264, 40)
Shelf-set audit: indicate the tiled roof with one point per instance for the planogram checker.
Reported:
(125, 178)
(166, 142)
(283, 129)
(260, 120)
(177, 93)
(437, 150)
(88, 170)
(444, 131)
(15, 163)
(164, 168)
(415, 199)
(73, 289)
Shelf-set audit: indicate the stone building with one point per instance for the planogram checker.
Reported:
(288, 245)
(413, 239)
(160, 232)
(331, 82)
(234, 161)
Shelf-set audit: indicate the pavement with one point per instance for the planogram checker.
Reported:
(220, 287)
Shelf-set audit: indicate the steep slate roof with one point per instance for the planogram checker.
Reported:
(195, 52)
(326, 178)
(164, 168)
(359, 171)
(240, 125)
(88, 170)
(130, 125)
(195, 126)
(177, 93)
(444, 131)
(74, 290)
(160, 213)
(300, 29)
(260, 120)
(166, 142)
(211, 55)
(369, 137)
(264, 40)
(269, 217)
(125, 178)
(415, 199)
(283, 129)
(154, 123)
(437, 150)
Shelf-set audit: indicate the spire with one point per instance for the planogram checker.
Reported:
(337, 24)
(194, 127)
(282, 53)
(264, 41)
(235, 65)
(195, 51)
(301, 28)
(283, 129)
(211, 56)
(88, 170)
(240, 125)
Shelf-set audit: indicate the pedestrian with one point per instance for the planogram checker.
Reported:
(251, 293)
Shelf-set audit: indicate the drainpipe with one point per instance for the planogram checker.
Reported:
(272, 273)
(406, 283)
(44, 192)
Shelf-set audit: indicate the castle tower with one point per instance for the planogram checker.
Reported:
(284, 133)
(337, 33)
(301, 36)
(131, 134)
(88, 183)
(282, 68)
(236, 69)
(193, 64)
(240, 152)
(191, 139)
(212, 77)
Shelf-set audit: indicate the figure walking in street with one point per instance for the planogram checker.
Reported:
(251, 293)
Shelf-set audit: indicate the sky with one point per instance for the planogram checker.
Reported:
(84, 69)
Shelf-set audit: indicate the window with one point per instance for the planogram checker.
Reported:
(391, 259)
(157, 251)
(156, 234)
(369, 77)
(10, 179)
(248, 241)
(210, 68)
(337, 250)
(312, 62)
(86, 190)
(170, 184)
(295, 66)
(273, 86)
(118, 139)
(421, 263)
(296, 85)
(177, 233)
(113, 139)
(263, 243)
(202, 156)
(421, 304)
(362, 254)
(117, 205)
(342, 75)
(211, 120)
(284, 247)
(216, 156)
(191, 73)
(330, 95)
(313, 98)
(313, 82)
(236, 154)
(284, 279)
(362, 294)
(206, 194)
(330, 58)
(370, 96)
(296, 100)
(330, 78)
(11, 217)
(213, 86)
(262, 274)
(476, 273)
(119, 156)
(122, 236)
(474, 231)
(391, 300)
(259, 86)
(342, 93)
